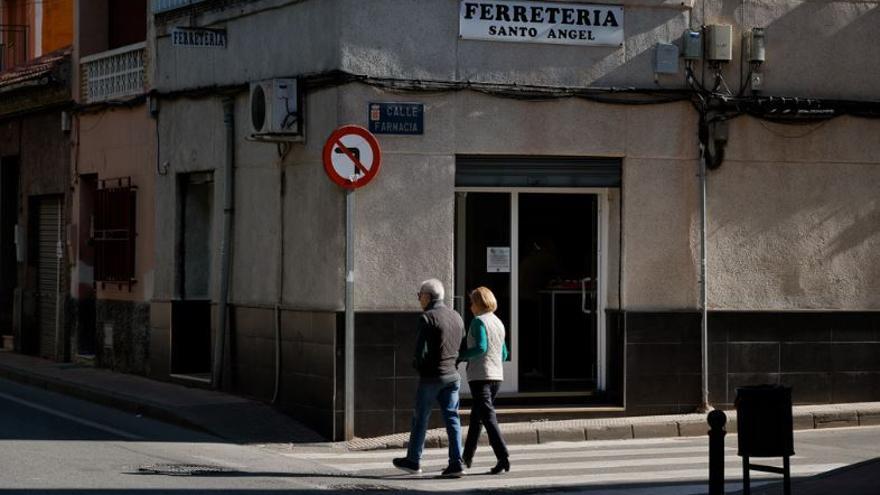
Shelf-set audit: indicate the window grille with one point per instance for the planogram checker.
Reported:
(114, 232)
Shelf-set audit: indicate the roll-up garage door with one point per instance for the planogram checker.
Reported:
(48, 271)
(536, 171)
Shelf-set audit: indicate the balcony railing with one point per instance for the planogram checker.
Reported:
(113, 74)
(166, 5)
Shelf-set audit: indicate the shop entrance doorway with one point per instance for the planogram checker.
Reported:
(191, 309)
(539, 251)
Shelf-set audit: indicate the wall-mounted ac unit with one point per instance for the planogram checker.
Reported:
(275, 106)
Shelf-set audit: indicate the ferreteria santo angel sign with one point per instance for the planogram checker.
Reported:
(541, 22)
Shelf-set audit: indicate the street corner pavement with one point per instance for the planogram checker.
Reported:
(858, 479)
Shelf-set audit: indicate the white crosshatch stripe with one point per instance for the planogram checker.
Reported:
(682, 462)
(695, 474)
(441, 454)
(581, 465)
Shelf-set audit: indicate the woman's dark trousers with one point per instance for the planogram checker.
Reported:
(483, 414)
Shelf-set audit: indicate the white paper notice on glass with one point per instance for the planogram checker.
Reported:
(498, 259)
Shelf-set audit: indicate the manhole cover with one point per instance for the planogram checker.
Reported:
(183, 469)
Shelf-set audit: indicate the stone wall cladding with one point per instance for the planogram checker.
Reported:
(826, 357)
(307, 345)
(131, 335)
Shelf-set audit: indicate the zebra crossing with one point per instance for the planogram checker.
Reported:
(669, 466)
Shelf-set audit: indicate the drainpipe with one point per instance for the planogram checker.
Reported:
(283, 150)
(704, 322)
(226, 243)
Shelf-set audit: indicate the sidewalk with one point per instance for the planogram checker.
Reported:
(859, 479)
(242, 420)
(229, 417)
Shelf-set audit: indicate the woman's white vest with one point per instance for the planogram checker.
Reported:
(488, 366)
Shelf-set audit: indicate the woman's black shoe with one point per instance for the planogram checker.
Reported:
(503, 465)
(467, 461)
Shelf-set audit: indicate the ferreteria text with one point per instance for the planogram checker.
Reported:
(573, 16)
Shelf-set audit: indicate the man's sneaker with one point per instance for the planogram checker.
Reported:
(453, 471)
(407, 465)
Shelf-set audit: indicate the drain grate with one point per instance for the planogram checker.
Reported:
(183, 469)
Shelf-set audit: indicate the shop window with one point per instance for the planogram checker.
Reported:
(114, 232)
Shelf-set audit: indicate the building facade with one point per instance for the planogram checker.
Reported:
(561, 169)
(581, 160)
(35, 103)
(113, 174)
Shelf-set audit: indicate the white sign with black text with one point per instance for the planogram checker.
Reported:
(498, 259)
(198, 37)
(541, 22)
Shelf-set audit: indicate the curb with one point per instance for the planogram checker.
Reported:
(637, 427)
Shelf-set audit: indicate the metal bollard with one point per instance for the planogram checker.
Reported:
(717, 419)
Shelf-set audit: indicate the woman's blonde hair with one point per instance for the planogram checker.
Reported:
(483, 297)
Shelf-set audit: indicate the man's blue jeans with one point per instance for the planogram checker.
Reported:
(447, 395)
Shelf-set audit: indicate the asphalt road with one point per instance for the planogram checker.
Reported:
(58, 445)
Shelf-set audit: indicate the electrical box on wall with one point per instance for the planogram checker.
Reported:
(692, 45)
(718, 43)
(753, 45)
(666, 59)
(275, 108)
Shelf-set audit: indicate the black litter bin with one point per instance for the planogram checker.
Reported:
(763, 418)
(765, 429)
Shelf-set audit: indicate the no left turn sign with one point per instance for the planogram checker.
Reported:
(351, 156)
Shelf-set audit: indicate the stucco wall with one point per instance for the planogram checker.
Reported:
(191, 137)
(120, 143)
(418, 39)
(302, 39)
(794, 217)
(817, 48)
(407, 212)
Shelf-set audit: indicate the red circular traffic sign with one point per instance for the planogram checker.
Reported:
(351, 156)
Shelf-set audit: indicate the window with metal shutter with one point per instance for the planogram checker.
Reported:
(48, 272)
(536, 171)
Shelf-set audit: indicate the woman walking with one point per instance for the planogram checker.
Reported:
(484, 354)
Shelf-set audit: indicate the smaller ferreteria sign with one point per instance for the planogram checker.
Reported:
(198, 37)
(541, 22)
(397, 118)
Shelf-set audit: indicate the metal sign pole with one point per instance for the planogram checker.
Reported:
(349, 314)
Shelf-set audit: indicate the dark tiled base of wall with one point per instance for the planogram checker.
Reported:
(131, 335)
(385, 381)
(825, 357)
(307, 346)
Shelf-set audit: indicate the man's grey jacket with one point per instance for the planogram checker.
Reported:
(440, 331)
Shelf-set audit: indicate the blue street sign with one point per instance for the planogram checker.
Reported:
(397, 118)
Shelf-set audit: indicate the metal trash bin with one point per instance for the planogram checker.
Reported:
(764, 424)
(765, 429)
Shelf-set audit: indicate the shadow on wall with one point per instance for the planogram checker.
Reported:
(864, 227)
(839, 53)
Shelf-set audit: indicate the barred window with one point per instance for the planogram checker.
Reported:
(114, 231)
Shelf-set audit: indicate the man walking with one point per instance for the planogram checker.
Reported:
(440, 331)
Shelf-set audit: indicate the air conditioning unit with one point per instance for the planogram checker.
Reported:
(276, 108)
